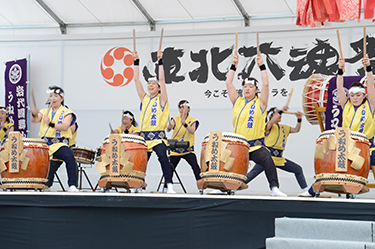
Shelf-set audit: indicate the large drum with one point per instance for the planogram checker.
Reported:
(356, 174)
(315, 92)
(32, 175)
(233, 166)
(133, 155)
(84, 155)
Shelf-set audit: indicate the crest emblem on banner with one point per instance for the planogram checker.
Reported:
(116, 67)
(15, 74)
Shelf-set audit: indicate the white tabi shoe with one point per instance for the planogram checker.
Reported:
(276, 192)
(170, 189)
(73, 189)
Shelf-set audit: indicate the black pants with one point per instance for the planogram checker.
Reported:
(63, 153)
(263, 157)
(191, 159)
(161, 152)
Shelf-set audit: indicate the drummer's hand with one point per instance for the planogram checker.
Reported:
(366, 61)
(341, 63)
(299, 115)
(160, 54)
(235, 60)
(46, 119)
(135, 55)
(259, 59)
(285, 108)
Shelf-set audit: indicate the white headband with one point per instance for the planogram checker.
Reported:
(270, 113)
(185, 104)
(127, 115)
(357, 89)
(4, 109)
(247, 81)
(153, 79)
(58, 91)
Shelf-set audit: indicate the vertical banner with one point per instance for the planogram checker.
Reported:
(15, 78)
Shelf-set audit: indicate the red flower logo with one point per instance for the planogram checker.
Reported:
(116, 67)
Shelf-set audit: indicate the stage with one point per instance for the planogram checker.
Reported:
(155, 220)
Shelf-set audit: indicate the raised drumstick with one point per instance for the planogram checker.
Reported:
(110, 126)
(290, 96)
(134, 40)
(364, 43)
(33, 97)
(258, 42)
(161, 38)
(235, 52)
(339, 41)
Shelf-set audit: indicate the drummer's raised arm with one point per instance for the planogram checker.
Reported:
(370, 82)
(340, 83)
(138, 85)
(264, 93)
(232, 92)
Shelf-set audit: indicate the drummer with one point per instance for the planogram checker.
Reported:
(275, 140)
(55, 123)
(54, 164)
(5, 125)
(362, 120)
(184, 127)
(154, 116)
(249, 115)
(128, 126)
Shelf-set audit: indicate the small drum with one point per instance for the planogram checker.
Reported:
(34, 176)
(325, 163)
(315, 91)
(132, 174)
(233, 166)
(83, 155)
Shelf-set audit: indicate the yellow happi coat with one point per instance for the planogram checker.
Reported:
(132, 129)
(249, 120)
(359, 119)
(49, 132)
(3, 135)
(276, 141)
(182, 134)
(154, 120)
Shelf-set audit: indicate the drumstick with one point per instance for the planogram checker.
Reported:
(49, 108)
(339, 41)
(235, 52)
(161, 38)
(33, 97)
(257, 41)
(110, 126)
(185, 109)
(288, 112)
(290, 96)
(134, 39)
(364, 43)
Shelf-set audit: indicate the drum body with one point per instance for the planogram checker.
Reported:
(325, 168)
(35, 175)
(83, 155)
(239, 151)
(136, 147)
(315, 91)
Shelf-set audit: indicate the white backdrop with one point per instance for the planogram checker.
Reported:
(73, 62)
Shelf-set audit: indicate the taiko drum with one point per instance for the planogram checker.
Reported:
(136, 147)
(239, 148)
(37, 168)
(327, 164)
